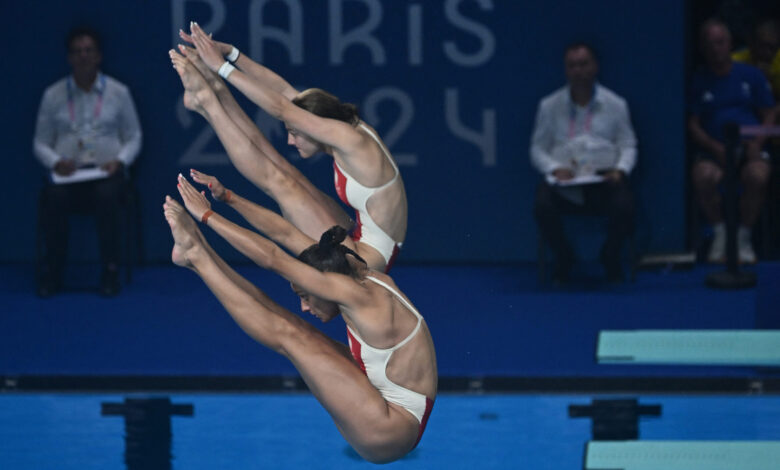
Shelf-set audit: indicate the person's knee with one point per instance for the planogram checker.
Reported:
(281, 185)
(110, 187)
(705, 175)
(108, 193)
(756, 175)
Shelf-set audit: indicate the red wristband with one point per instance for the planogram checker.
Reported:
(228, 195)
(206, 215)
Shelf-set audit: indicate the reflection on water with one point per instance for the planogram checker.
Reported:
(147, 430)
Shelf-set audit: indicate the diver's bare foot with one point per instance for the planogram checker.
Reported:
(213, 80)
(184, 231)
(197, 94)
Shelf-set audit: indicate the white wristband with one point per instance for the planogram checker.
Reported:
(233, 56)
(225, 70)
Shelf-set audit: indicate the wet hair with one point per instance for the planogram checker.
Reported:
(584, 45)
(81, 31)
(329, 255)
(323, 104)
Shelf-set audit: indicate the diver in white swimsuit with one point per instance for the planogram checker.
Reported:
(374, 362)
(381, 420)
(316, 121)
(355, 195)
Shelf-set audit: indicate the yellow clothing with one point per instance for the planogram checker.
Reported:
(745, 57)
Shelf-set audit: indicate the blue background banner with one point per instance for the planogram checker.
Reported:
(451, 85)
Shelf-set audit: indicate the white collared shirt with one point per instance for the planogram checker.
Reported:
(91, 127)
(565, 133)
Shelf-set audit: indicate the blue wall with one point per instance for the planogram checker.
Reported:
(452, 85)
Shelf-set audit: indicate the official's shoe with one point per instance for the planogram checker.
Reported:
(717, 252)
(745, 247)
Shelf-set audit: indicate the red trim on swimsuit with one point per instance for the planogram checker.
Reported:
(428, 409)
(393, 257)
(340, 181)
(354, 348)
(357, 230)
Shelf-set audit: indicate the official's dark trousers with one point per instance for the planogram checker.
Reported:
(615, 201)
(102, 197)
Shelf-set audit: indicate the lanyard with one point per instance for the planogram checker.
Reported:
(98, 104)
(588, 115)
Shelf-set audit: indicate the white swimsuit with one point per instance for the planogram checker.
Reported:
(374, 362)
(356, 196)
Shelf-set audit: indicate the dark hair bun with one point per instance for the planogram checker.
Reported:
(333, 237)
(329, 255)
(349, 113)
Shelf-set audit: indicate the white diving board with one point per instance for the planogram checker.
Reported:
(682, 455)
(702, 347)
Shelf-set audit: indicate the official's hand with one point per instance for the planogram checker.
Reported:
(614, 176)
(112, 167)
(563, 174)
(218, 191)
(195, 202)
(65, 167)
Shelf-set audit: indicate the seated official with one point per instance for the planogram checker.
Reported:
(583, 135)
(87, 134)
